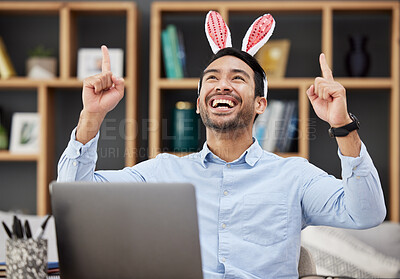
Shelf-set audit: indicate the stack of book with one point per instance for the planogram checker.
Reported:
(6, 67)
(3, 270)
(53, 270)
(173, 52)
(277, 128)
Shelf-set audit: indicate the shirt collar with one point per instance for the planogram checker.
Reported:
(251, 155)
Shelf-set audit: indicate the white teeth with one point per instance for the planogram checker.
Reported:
(216, 102)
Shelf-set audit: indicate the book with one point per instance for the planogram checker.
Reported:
(276, 129)
(273, 125)
(292, 131)
(260, 126)
(6, 67)
(167, 55)
(185, 127)
(173, 39)
(182, 53)
(286, 118)
(53, 269)
(3, 272)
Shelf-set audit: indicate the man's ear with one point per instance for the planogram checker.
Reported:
(197, 106)
(261, 104)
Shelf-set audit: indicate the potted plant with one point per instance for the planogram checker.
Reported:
(41, 63)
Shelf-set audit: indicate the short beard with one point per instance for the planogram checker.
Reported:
(242, 120)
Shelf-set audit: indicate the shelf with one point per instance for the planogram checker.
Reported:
(30, 7)
(369, 83)
(9, 156)
(191, 83)
(23, 82)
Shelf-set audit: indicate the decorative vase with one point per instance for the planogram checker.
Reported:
(41, 67)
(357, 59)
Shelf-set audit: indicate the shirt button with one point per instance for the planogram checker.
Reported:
(223, 259)
(228, 165)
(223, 226)
(357, 177)
(74, 163)
(354, 168)
(226, 193)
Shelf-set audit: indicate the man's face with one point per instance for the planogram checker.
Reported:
(226, 100)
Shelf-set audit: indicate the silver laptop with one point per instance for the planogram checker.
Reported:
(132, 230)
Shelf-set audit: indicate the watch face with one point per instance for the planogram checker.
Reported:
(354, 118)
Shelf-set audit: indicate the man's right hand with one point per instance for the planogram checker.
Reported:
(101, 93)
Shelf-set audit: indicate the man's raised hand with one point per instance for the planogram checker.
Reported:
(328, 97)
(102, 92)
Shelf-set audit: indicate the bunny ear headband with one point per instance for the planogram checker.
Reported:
(219, 36)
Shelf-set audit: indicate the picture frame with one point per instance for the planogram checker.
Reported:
(273, 57)
(89, 62)
(25, 132)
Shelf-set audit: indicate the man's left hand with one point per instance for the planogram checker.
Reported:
(328, 97)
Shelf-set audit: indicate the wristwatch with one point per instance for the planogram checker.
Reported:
(346, 129)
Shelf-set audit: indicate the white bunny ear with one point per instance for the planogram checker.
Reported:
(217, 32)
(258, 34)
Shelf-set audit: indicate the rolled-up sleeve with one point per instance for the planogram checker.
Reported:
(356, 201)
(78, 161)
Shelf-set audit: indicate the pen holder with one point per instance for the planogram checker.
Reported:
(26, 258)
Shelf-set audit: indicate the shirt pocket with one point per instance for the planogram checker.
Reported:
(265, 218)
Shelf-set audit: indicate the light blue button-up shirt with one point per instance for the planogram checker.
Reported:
(251, 211)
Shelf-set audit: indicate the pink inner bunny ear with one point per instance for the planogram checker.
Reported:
(217, 32)
(258, 34)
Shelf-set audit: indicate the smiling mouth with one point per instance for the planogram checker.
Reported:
(223, 103)
(216, 103)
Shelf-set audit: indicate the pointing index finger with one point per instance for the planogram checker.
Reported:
(105, 62)
(326, 71)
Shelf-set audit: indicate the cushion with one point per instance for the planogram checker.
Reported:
(336, 252)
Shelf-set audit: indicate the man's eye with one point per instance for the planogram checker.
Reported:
(211, 77)
(238, 77)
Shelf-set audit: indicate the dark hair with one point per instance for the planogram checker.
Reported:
(259, 73)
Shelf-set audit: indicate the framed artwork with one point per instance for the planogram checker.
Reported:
(273, 57)
(89, 62)
(25, 131)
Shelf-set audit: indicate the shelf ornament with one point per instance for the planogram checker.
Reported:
(219, 35)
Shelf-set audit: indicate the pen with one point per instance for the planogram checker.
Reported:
(39, 233)
(20, 228)
(17, 228)
(7, 230)
(27, 230)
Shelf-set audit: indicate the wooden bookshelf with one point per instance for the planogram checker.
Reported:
(67, 13)
(8, 156)
(327, 11)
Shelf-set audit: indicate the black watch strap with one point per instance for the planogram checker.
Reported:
(346, 129)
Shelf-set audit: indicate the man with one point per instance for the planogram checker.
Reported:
(252, 204)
